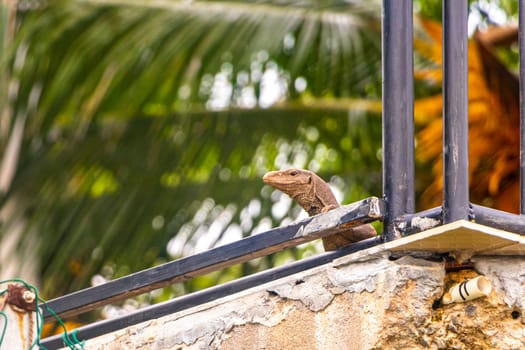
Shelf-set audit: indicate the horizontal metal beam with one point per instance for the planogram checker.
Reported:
(336, 221)
(152, 312)
(410, 224)
(413, 223)
(499, 219)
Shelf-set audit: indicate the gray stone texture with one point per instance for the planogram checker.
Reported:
(353, 303)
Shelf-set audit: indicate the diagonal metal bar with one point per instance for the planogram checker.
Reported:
(185, 302)
(398, 112)
(332, 222)
(455, 111)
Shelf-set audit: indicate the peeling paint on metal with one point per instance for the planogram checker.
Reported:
(423, 223)
(375, 207)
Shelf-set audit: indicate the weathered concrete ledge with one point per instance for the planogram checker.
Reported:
(356, 302)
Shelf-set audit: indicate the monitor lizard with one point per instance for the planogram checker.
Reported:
(315, 196)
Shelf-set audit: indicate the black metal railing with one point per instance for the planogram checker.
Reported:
(277, 239)
(398, 113)
(396, 209)
(398, 123)
(521, 21)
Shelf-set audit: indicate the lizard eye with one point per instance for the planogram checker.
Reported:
(293, 173)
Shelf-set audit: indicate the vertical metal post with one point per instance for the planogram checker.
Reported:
(19, 317)
(521, 11)
(398, 112)
(455, 111)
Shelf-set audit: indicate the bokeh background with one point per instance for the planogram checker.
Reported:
(136, 132)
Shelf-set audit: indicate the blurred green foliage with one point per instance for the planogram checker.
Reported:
(147, 127)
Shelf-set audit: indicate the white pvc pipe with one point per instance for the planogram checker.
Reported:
(468, 290)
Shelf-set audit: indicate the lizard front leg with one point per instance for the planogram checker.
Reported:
(328, 208)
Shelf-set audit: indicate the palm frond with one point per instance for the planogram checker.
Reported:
(122, 147)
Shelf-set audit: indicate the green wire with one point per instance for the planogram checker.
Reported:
(73, 344)
(6, 320)
(5, 328)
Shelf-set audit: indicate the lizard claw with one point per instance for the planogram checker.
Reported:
(328, 208)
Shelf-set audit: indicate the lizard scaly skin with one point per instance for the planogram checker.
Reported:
(315, 196)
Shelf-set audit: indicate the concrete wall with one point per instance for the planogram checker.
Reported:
(356, 302)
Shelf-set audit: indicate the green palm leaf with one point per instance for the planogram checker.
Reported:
(133, 115)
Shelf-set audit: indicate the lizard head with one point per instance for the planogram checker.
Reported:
(290, 181)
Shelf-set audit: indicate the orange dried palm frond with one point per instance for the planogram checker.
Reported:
(493, 124)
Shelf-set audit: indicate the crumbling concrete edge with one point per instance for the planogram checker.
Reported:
(315, 289)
